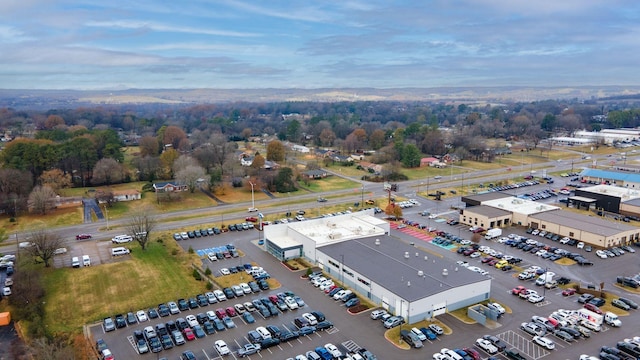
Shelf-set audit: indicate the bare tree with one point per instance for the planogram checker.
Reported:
(55, 179)
(45, 349)
(107, 171)
(41, 199)
(192, 176)
(44, 246)
(183, 162)
(140, 226)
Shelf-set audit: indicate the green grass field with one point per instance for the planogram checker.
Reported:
(86, 295)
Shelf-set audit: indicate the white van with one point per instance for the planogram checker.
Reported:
(119, 251)
(86, 261)
(120, 239)
(75, 262)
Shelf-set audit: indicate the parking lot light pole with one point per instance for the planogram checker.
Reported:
(362, 196)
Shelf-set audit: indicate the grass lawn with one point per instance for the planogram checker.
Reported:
(330, 183)
(58, 217)
(80, 296)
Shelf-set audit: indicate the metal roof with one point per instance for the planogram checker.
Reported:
(386, 265)
(612, 175)
(488, 211)
(591, 224)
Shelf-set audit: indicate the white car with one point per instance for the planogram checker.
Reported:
(487, 346)
(245, 288)
(474, 269)
(173, 308)
(221, 347)
(462, 263)
(191, 319)
(475, 255)
(580, 245)
(8, 281)
(142, 316)
(465, 242)
(433, 216)
(419, 334)
(212, 257)
(60, 251)
(601, 254)
(535, 298)
(310, 318)
(6, 291)
(333, 350)
(497, 307)
(225, 271)
(291, 303)
(219, 295)
(544, 342)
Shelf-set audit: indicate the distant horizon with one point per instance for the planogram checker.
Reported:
(382, 44)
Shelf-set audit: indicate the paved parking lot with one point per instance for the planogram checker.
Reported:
(354, 331)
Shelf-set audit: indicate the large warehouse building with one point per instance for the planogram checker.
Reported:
(357, 250)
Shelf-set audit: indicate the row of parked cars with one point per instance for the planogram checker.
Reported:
(530, 182)
(186, 235)
(614, 251)
(624, 349)
(348, 297)
(543, 250)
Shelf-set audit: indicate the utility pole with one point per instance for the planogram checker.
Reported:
(253, 202)
(362, 197)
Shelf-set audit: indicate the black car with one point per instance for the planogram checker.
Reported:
(496, 341)
(191, 234)
(267, 343)
(563, 280)
(197, 233)
(163, 310)
(608, 356)
(181, 324)
(171, 326)
(202, 318)
(120, 321)
(228, 293)
(319, 316)
(514, 354)
(274, 330)
(263, 284)
(183, 305)
(597, 301)
(610, 350)
(161, 329)
(153, 313)
(193, 303)
(323, 325)
(202, 300)
(166, 341)
(573, 332)
(208, 328)
(131, 318)
(307, 330)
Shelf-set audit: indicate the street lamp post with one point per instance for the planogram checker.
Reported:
(106, 212)
(253, 202)
(362, 196)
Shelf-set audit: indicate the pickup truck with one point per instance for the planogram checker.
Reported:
(248, 349)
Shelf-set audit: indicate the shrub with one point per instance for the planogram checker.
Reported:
(196, 275)
(174, 252)
(191, 251)
(208, 271)
(209, 286)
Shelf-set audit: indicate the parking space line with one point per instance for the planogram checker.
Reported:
(205, 354)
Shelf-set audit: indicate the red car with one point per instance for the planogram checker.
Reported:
(220, 313)
(273, 298)
(568, 291)
(188, 334)
(83, 236)
(231, 311)
(473, 353)
(328, 290)
(593, 308)
(486, 260)
(251, 219)
(478, 230)
(518, 289)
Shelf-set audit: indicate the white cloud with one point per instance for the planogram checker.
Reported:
(148, 25)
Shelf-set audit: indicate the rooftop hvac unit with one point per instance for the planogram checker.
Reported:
(377, 242)
(445, 272)
(420, 273)
(406, 254)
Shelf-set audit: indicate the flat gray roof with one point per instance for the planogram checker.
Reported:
(592, 224)
(488, 211)
(583, 199)
(386, 265)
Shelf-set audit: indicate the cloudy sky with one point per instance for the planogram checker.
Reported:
(118, 44)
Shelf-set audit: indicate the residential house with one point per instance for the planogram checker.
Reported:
(315, 174)
(300, 148)
(376, 168)
(428, 161)
(246, 160)
(169, 186)
(126, 195)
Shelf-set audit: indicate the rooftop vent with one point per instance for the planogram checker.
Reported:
(408, 283)
(377, 242)
(406, 254)
(420, 273)
(445, 272)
